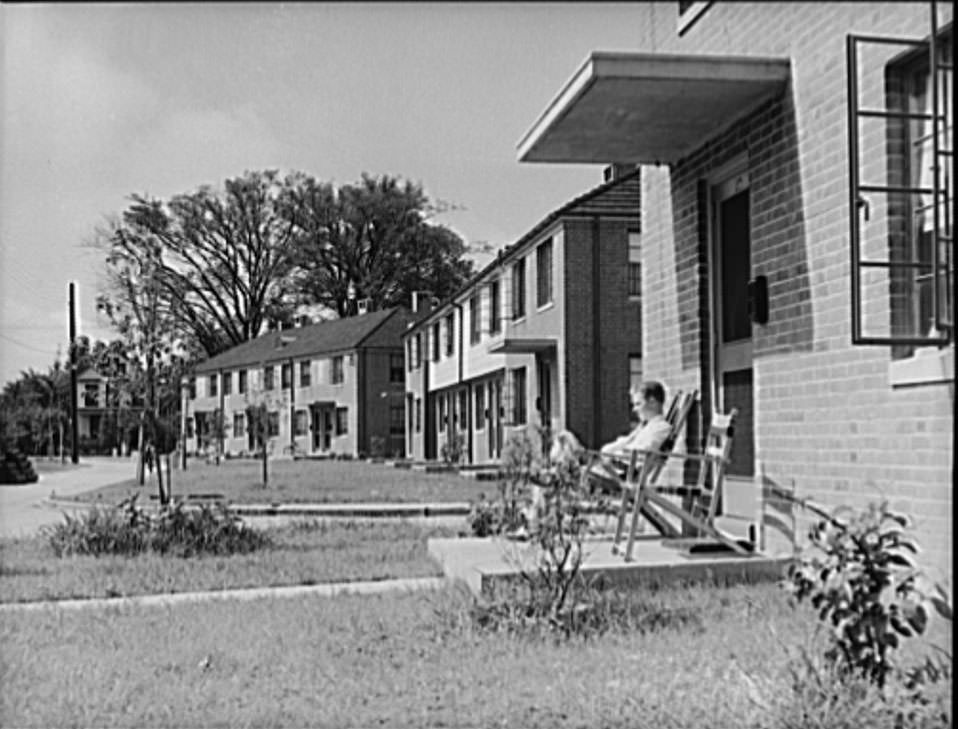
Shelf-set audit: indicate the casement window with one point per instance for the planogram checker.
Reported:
(434, 342)
(227, 383)
(688, 12)
(272, 424)
(239, 425)
(305, 377)
(544, 274)
(450, 335)
(242, 383)
(301, 423)
(519, 289)
(635, 373)
(475, 320)
(336, 374)
(268, 377)
(396, 368)
(635, 265)
(902, 248)
(396, 415)
(213, 382)
(495, 305)
(342, 421)
(286, 376)
(480, 407)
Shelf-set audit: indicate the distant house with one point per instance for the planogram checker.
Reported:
(330, 388)
(99, 406)
(548, 334)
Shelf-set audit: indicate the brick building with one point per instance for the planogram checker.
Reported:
(548, 334)
(794, 265)
(330, 388)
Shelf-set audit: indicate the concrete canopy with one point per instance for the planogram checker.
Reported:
(648, 108)
(522, 346)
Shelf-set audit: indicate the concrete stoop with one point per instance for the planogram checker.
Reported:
(485, 563)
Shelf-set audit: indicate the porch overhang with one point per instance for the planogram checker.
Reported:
(648, 108)
(521, 345)
(318, 404)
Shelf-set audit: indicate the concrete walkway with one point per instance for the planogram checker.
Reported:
(253, 593)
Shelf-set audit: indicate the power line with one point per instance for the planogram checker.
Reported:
(27, 346)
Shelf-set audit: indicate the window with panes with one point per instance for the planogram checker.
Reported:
(286, 376)
(475, 320)
(544, 273)
(213, 389)
(242, 381)
(519, 289)
(227, 383)
(336, 374)
(635, 264)
(450, 333)
(342, 421)
(239, 425)
(396, 415)
(434, 342)
(396, 367)
(301, 423)
(305, 377)
(272, 424)
(268, 377)
(494, 308)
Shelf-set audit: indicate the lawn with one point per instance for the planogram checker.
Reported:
(240, 481)
(415, 660)
(302, 554)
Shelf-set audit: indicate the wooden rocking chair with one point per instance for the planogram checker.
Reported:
(650, 497)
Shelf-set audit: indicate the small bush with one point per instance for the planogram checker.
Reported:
(453, 450)
(126, 529)
(864, 582)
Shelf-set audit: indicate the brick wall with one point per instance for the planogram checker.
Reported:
(829, 425)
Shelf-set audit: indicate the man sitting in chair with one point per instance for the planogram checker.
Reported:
(649, 434)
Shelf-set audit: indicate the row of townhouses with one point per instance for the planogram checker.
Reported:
(775, 233)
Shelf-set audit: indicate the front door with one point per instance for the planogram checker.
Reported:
(544, 397)
(326, 442)
(731, 325)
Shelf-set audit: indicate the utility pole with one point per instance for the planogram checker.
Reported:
(74, 394)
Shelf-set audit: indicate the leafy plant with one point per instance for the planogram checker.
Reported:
(128, 529)
(864, 582)
(520, 466)
(453, 449)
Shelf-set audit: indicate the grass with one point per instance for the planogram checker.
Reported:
(240, 481)
(305, 553)
(414, 660)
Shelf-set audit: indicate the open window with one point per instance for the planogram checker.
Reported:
(900, 191)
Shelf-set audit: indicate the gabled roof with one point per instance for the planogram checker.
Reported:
(619, 197)
(327, 337)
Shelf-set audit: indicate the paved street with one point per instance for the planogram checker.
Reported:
(21, 510)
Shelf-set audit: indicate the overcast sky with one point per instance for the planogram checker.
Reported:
(101, 101)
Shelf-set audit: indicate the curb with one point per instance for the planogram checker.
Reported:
(332, 589)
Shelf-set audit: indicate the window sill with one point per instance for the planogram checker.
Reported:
(926, 367)
(519, 320)
(545, 307)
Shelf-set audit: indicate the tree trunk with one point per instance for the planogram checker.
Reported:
(140, 455)
(265, 474)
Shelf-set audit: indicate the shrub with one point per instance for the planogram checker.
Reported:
(864, 582)
(127, 529)
(452, 450)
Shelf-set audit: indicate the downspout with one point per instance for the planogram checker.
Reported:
(596, 335)
(428, 429)
(292, 407)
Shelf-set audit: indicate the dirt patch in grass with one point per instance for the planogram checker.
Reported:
(409, 661)
(302, 554)
(239, 481)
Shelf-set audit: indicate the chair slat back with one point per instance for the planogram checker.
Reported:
(718, 446)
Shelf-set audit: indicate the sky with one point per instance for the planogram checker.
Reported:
(101, 101)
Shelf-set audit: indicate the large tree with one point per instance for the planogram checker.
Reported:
(372, 240)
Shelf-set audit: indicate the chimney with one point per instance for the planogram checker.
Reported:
(422, 300)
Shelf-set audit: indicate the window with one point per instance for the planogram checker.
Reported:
(227, 383)
(242, 383)
(268, 377)
(463, 410)
(450, 333)
(396, 415)
(239, 425)
(396, 367)
(305, 377)
(213, 379)
(519, 395)
(417, 410)
(635, 264)
(689, 12)
(475, 322)
(286, 376)
(480, 407)
(91, 395)
(336, 377)
(417, 351)
(272, 424)
(519, 289)
(342, 421)
(192, 388)
(301, 423)
(902, 281)
(635, 373)
(494, 306)
(434, 342)
(544, 273)
(409, 353)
